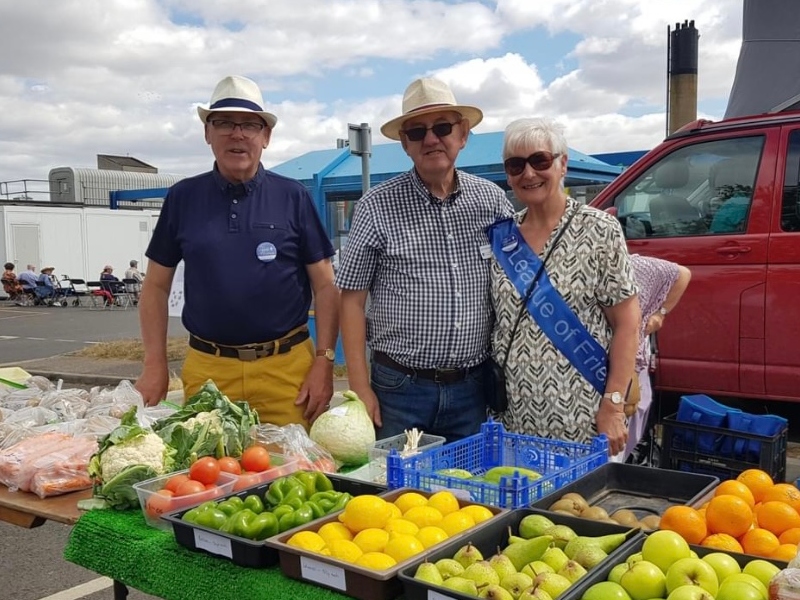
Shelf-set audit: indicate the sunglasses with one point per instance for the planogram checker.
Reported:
(440, 130)
(540, 161)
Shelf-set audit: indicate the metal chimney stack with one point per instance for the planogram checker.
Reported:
(682, 75)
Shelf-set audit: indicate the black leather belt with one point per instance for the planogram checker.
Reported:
(437, 375)
(250, 351)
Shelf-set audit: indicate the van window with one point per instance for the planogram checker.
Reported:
(700, 189)
(790, 210)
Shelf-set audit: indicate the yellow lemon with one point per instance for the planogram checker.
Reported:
(334, 531)
(477, 512)
(456, 522)
(402, 546)
(444, 502)
(371, 540)
(378, 561)
(345, 550)
(307, 540)
(410, 500)
(422, 516)
(401, 526)
(394, 512)
(364, 512)
(431, 535)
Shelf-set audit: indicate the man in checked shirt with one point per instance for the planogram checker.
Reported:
(417, 247)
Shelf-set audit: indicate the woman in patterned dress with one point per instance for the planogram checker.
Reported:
(590, 268)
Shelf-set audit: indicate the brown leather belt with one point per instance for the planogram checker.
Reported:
(437, 375)
(250, 351)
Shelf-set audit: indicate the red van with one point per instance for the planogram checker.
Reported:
(723, 199)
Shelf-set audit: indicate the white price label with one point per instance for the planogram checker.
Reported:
(437, 596)
(323, 573)
(210, 542)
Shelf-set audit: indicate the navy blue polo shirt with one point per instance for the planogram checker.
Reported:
(245, 249)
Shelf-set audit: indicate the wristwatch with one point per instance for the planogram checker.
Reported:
(663, 311)
(615, 397)
(327, 353)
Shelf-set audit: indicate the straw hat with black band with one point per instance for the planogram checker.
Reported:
(237, 94)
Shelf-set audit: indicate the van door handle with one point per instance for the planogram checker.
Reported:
(733, 250)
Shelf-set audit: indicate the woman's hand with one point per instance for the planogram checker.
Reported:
(611, 421)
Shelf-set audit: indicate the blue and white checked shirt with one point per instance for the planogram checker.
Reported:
(426, 264)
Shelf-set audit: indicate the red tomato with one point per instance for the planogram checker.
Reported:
(205, 470)
(174, 481)
(190, 486)
(230, 465)
(255, 458)
(213, 491)
(246, 480)
(159, 503)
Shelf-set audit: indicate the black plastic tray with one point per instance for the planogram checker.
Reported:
(496, 534)
(244, 552)
(600, 573)
(644, 490)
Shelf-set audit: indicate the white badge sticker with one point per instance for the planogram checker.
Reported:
(320, 572)
(266, 252)
(486, 251)
(210, 542)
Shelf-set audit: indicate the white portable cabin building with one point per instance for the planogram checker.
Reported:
(91, 187)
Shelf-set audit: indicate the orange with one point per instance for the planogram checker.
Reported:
(722, 541)
(777, 517)
(686, 521)
(784, 552)
(784, 492)
(729, 514)
(759, 542)
(790, 536)
(757, 481)
(735, 488)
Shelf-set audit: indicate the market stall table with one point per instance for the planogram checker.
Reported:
(28, 510)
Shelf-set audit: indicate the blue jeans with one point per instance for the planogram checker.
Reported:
(454, 410)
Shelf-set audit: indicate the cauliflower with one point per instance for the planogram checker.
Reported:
(147, 449)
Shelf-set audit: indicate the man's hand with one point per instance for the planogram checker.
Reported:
(153, 384)
(317, 389)
(654, 323)
(611, 421)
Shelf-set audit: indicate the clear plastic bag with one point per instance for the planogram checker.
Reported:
(32, 416)
(17, 463)
(69, 404)
(11, 434)
(64, 471)
(293, 441)
(19, 399)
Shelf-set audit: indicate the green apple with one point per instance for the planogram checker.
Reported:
(615, 574)
(664, 547)
(644, 580)
(606, 590)
(739, 590)
(751, 580)
(762, 570)
(692, 571)
(690, 592)
(724, 564)
(635, 557)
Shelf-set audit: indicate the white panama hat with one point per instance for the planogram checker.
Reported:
(235, 93)
(425, 96)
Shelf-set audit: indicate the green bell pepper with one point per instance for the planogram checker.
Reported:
(298, 517)
(313, 481)
(281, 488)
(283, 509)
(213, 518)
(190, 516)
(243, 524)
(341, 502)
(228, 507)
(264, 525)
(254, 503)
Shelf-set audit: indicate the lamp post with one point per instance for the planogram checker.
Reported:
(360, 141)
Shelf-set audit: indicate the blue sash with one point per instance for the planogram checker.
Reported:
(545, 304)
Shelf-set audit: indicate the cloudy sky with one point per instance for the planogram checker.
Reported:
(82, 77)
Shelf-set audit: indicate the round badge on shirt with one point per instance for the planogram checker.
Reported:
(266, 252)
(510, 243)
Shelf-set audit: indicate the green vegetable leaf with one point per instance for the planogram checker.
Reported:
(118, 492)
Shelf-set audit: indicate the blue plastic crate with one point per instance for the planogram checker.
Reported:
(558, 462)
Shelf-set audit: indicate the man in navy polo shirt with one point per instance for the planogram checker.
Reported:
(254, 250)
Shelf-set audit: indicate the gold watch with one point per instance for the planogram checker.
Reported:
(328, 353)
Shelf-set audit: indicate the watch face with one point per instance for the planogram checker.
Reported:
(330, 354)
(616, 398)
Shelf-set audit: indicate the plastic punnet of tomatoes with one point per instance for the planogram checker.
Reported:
(259, 466)
(176, 491)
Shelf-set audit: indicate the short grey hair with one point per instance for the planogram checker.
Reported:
(535, 133)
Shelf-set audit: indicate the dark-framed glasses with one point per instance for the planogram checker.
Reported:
(227, 127)
(440, 130)
(540, 161)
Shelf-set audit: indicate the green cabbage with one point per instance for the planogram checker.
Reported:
(346, 431)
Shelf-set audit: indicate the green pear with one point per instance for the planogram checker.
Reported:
(495, 591)
(468, 555)
(552, 583)
(481, 573)
(533, 526)
(461, 585)
(513, 539)
(516, 583)
(502, 565)
(572, 571)
(589, 556)
(428, 573)
(521, 553)
(555, 558)
(607, 543)
(537, 567)
(449, 567)
(561, 534)
(533, 593)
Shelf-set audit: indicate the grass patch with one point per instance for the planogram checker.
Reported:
(133, 349)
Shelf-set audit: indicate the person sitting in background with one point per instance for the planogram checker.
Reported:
(48, 289)
(134, 274)
(28, 278)
(108, 274)
(11, 284)
(661, 284)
